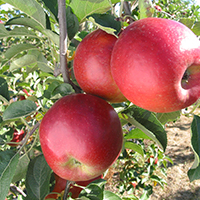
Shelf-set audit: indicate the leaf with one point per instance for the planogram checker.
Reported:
(63, 89)
(25, 21)
(32, 8)
(52, 6)
(21, 168)
(51, 88)
(108, 195)
(195, 139)
(8, 163)
(146, 8)
(16, 32)
(53, 36)
(147, 122)
(94, 190)
(16, 49)
(107, 20)
(72, 23)
(194, 172)
(187, 22)
(136, 134)
(33, 57)
(84, 8)
(166, 117)
(19, 109)
(22, 62)
(196, 28)
(147, 191)
(134, 147)
(37, 178)
(4, 89)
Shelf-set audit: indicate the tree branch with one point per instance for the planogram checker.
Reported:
(63, 39)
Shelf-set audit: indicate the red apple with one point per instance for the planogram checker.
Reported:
(17, 137)
(92, 66)
(156, 65)
(81, 136)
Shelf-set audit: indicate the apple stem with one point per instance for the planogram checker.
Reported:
(67, 189)
(63, 39)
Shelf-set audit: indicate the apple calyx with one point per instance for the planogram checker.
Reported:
(191, 77)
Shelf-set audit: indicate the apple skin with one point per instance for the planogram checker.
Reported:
(80, 136)
(149, 61)
(92, 66)
(60, 185)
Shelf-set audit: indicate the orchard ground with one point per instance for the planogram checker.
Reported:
(179, 150)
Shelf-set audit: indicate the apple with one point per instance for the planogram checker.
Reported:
(156, 65)
(81, 136)
(60, 185)
(92, 66)
(17, 137)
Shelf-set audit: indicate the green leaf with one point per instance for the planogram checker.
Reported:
(187, 22)
(94, 190)
(108, 195)
(147, 191)
(83, 8)
(136, 134)
(194, 172)
(63, 89)
(4, 89)
(19, 109)
(32, 8)
(37, 178)
(195, 139)
(21, 168)
(196, 28)
(72, 23)
(166, 117)
(52, 35)
(146, 8)
(16, 32)
(134, 147)
(8, 163)
(23, 61)
(33, 57)
(14, 50)
(147, 122)
(25, 21)
(51, 88)
(52, 6)
(107, 20)
(158, 179)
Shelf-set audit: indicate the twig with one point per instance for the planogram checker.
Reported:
(63, 39)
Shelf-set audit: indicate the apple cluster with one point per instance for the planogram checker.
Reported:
(154, 63)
